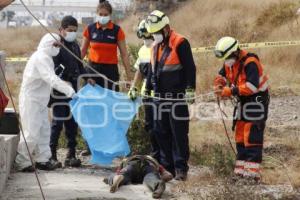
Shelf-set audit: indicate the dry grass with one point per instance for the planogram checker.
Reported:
(204, 22)
(20, 42)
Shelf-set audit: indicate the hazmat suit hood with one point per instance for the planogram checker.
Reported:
(46, 44)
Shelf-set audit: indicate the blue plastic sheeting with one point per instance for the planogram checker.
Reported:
(104, 117)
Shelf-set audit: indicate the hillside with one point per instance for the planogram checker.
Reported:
(203, 22)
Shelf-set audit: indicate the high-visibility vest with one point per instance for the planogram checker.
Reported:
(172, 62)
(246, 88)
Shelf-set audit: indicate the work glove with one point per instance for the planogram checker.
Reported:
(219, 84)
(190, 95)
(133, 93)
(226, 92)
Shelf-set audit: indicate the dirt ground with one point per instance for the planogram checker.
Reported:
(282, 143)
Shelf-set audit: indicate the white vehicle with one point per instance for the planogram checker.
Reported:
(43, 21)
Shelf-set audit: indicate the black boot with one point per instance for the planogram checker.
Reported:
(71, 160)
(48, 166)
(54, 160)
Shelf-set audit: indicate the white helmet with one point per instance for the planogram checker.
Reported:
(156, 21)
(225, 47)
(142, 31)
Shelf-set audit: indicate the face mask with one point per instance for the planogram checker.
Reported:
(158, 38)
(71, 36)
(54, 51)
(103, 20)
(230, 62)
(148, 43)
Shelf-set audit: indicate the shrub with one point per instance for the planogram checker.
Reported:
(278, 14)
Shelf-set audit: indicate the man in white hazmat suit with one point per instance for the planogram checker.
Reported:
(38, 79)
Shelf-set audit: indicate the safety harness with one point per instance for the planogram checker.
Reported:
(237, 99)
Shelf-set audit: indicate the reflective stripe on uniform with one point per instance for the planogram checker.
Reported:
(251, 87)
(172, 68)
(252, 169)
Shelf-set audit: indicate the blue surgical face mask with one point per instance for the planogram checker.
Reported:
(103, 20)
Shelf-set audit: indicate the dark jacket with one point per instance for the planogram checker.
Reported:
(73, 69)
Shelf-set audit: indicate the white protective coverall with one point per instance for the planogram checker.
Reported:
(38, 79)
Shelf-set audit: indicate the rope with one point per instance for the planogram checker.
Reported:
(225, 127)
(22, 133)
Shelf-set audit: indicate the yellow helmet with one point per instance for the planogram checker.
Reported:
(156, 21)
(225, 47)
(142, 31)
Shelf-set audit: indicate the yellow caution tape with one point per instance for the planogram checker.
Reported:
(17, 59)
(257, 45)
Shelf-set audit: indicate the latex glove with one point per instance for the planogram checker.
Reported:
(226, 92)
(190, 96)
(75, 96)
(133, 93)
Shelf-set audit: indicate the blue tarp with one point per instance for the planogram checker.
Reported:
(104, 117)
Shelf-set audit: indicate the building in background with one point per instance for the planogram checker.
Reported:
(50, 12)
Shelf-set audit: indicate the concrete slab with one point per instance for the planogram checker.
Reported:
(68, 184)
(8, 150)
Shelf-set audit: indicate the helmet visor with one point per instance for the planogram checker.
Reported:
(154, 18)
(219, 54)
(143, 34)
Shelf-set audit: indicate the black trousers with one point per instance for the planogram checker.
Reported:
(110, 71)
(172, 127)
(149, 126)
(71, 127)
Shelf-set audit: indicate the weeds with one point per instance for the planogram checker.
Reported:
(218, 157)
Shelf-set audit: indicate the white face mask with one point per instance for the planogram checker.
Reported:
(103, 20)
(148, 43)
(230, 62)
(158, 38)
(70, 36)
(54, 51)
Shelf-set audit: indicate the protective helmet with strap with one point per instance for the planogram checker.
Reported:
(142, 32)
(156, 21)
(225, 47)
